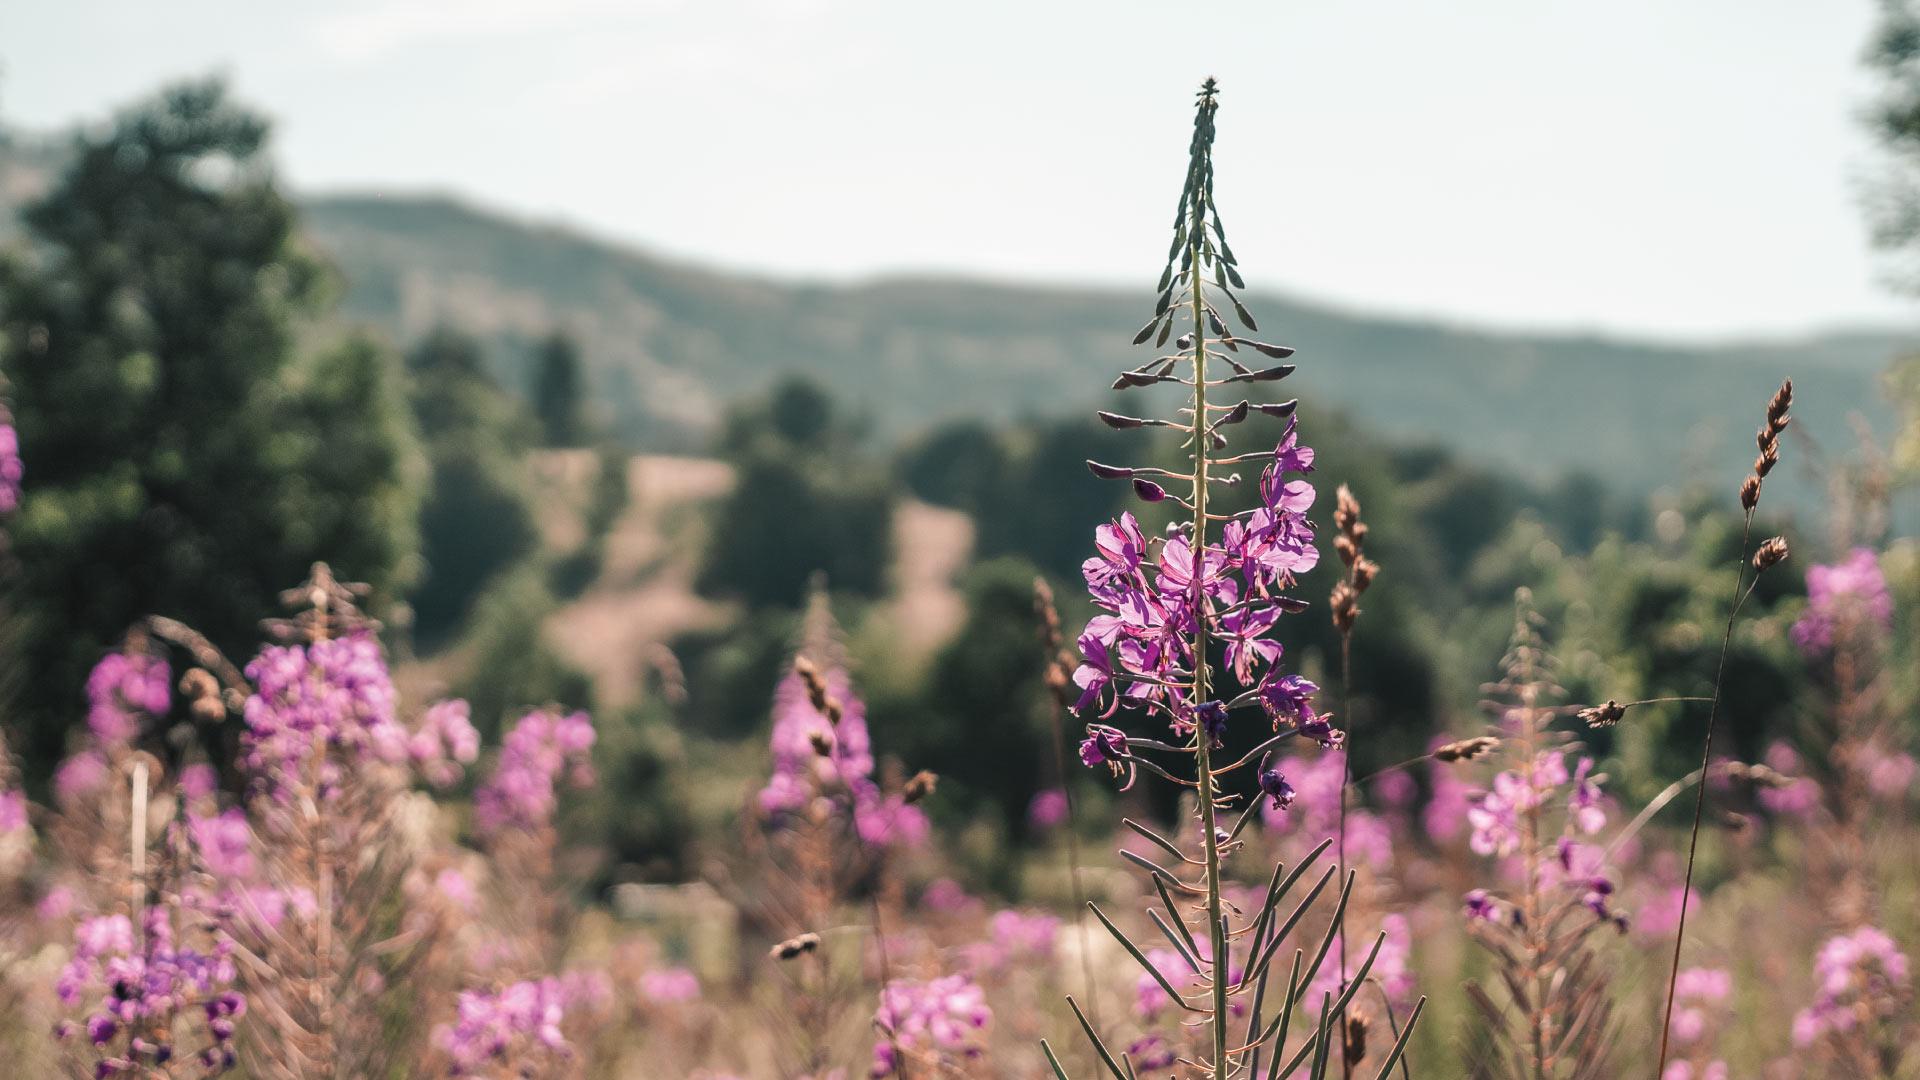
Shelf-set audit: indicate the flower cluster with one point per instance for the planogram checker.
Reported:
(942, 1021)
(1016, 937)
(1499, 819)
(122, 691)
(331, 697)
(444, 741)
(12, 469)
(1154, 594)
(1309, 808)
(541, 749)
(147, 992)
(1864, 979)
(517, 1027)
(817, 756)
(1851, 593)
(669, 986)
(1700, 1004)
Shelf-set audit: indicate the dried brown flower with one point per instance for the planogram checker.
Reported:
(920, 786)
(1770, 554)
(822, 742)
(1354, 1041)
(795, 946)
(1603, 716)
(1467, 749)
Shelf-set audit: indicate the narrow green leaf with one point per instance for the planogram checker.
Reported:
(1400, 1044)
(1140, 958)
(1094, 1037)
(1058, 1072)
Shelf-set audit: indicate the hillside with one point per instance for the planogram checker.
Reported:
(668, 344)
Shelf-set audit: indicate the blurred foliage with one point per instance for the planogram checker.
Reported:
(805, 502)
(556, 390)
(175, 436)
(512, 668)
(607, 500)
(477, 520)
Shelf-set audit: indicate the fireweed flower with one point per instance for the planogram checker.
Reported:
(156, 1007)
(1850, 594)
(517, 1027)
(669, 986)
(843, 775)
(1863, 983)
(1047, 810)
(332, 697)
(1215, 582)
(942, 1022)
(543, 748)
(124, 690)
(12, 469)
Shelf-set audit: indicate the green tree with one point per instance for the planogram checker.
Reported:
(477, 520)
(184, 461)
(556, 391)
(804, 502)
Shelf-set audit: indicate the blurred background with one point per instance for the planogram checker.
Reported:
(590, 334)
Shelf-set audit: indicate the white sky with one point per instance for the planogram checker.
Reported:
(1638, 167)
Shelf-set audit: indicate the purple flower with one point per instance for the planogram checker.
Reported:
(1212, 718)
(1288, 697)
(123, 690)
(12, 469)
(943, 1021)
(1850, 595)
(1103, 744)
(1862, 976)
(1047, 810)
(518, 1027)
(1480, 905)
(333, 697)
(670, 986)
(1274, 786)
(543, 747)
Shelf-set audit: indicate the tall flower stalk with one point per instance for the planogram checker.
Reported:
(1215, 583)
(1769, 554)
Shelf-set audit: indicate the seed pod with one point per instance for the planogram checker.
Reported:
(1602, 716)
(1466, 749)
(1770, 554)
(795, 946)
(919, 787)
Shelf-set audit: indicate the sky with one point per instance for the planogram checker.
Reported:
(1635, 168)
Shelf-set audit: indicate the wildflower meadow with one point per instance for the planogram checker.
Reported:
(361, 720)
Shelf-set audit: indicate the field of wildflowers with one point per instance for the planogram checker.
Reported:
(280, 867)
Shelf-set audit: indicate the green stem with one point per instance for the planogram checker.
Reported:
(1203, 765)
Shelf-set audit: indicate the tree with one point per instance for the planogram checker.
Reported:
(478, 519)
(182, 461)
(556, 391)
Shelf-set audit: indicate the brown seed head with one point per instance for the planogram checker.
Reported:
(1354, 1042)
(822, 742)
(919, 786)
(1603, 716)
(1344, 546)
(1467, 749)
(1770, 554)
(1363, 571)
(1346, 508)
(1344, 605)
(795, 946)
(1750, 492)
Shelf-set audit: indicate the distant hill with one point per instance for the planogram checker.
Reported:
(669, 343)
